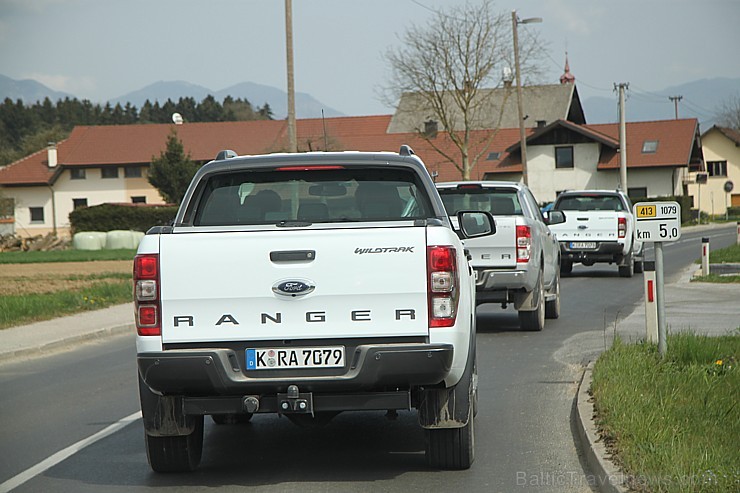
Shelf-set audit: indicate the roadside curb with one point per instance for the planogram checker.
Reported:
(64, 342)
(605, 475)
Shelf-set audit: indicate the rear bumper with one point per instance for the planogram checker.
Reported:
(494, 285)
(219, 372)
(605, 251)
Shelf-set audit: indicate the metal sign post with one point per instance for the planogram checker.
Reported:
(658, 222)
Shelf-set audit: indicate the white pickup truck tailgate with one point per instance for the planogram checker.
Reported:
(219, 286)
(588, 226)
(494, 251)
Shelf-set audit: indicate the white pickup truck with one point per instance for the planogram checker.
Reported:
(520, 264)
(599, 228)
(306, 285)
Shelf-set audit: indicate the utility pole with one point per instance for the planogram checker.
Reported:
(292, 140)
(522, 135)
(675, 100)
(622, 137)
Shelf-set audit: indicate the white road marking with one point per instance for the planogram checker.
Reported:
(58, 457)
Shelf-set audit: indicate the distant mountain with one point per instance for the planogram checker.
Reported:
(162, 91)
(257, 94)
(28, 90)
(701, 99)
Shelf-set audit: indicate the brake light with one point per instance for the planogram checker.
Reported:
(309, 168)
(146, 295)
(442, 287)
(523, 244)
(621, 227)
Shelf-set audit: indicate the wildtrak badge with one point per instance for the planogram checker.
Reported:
(360, 251)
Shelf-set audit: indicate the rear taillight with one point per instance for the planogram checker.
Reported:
(146, 295)
(442, 285)
(523, 244)
(622, 226)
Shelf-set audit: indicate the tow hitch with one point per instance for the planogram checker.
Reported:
(295, 402)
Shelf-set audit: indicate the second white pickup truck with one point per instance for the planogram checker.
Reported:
(599, 228)
(520, 264)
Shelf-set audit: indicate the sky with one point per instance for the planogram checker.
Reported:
(103, 49)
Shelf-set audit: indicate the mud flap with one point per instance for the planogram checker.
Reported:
(164, 415)
(449, 407)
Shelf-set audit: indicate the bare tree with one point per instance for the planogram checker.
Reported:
(729, 113)
(450, 66)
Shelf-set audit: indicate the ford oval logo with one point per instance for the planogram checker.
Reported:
(293, 287)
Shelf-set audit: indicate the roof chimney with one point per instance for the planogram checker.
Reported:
(430, 129)
(51, 154)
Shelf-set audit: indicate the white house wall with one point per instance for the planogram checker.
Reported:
(25, 198)
(94, 188)
(714, 200)
(545, 181)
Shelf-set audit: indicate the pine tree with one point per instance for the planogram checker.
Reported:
(172, 171)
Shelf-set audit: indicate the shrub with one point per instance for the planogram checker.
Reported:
(108, 217)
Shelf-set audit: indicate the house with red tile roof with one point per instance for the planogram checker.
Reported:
(109, 164)
(566, 156)
(721, 146)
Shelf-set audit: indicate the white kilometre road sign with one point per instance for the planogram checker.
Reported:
(657, 221)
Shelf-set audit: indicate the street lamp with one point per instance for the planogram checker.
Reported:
(515, 21)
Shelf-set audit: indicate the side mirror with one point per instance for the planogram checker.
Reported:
(554, 217)
(474, 224)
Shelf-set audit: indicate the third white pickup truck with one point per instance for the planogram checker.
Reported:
(599, 228)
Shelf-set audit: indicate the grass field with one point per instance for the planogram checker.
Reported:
(673, 424)
(38, 286)
(65, 256)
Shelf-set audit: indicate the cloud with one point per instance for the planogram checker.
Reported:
(78, 86)
(579, 18)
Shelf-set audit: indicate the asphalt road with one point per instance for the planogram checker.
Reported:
(524, 435)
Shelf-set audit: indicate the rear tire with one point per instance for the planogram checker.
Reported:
(629, 269)
(639, 267)
(552, 307)
(566, 266)
(534, 320)
(452, 448)
(176, 453)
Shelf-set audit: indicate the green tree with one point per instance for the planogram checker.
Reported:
(172, 171)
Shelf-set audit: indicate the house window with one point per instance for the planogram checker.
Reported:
(138, 200)
(493, 156)
(132, 172)
(637, 193)
(77, 174)
(717, 168)
(564, 157)
(111, 172)
(37, 214)
(77, 203)
(650, 147)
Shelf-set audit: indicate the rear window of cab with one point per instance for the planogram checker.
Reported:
(309, 194)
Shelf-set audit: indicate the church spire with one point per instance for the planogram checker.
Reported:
(567, 77)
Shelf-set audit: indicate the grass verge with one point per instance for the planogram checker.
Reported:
(65, 256)
(23, 309)
(672, 424)
(730, 255)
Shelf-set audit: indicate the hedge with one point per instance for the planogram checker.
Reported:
(109, 217)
